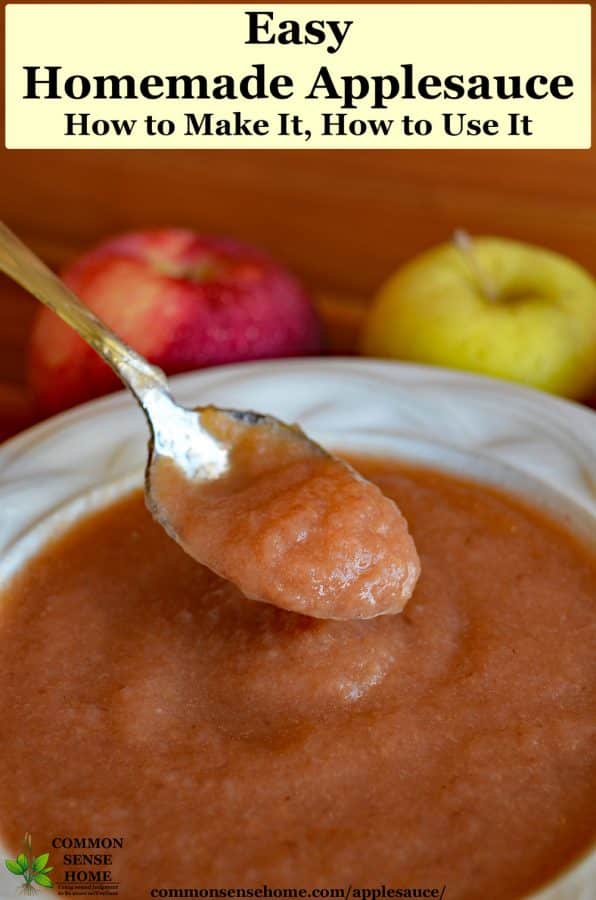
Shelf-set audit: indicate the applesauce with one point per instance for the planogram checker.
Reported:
(231, 743)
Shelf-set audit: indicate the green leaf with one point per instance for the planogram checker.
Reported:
(23, 862)
(48, 869)
(43, 880)
(40, 861)
(13, 866)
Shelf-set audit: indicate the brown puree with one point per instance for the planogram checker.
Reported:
(231, 743)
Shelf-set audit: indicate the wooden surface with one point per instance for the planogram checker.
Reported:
(341, 219)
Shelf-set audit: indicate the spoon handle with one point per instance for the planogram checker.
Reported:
(23, 266)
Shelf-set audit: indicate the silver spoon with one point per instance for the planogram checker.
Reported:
(357, 560)
(176, 433)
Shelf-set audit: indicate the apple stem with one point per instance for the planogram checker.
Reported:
(463, 242)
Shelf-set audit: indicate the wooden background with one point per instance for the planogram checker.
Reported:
(341, 219)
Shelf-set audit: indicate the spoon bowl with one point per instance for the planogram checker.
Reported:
(182, 437)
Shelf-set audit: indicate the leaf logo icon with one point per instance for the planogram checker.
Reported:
(32, 869)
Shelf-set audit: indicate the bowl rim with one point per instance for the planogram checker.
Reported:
(454, 378)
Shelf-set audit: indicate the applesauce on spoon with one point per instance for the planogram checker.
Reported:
(289, 524)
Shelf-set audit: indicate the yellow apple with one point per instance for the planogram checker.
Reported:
(497, 307)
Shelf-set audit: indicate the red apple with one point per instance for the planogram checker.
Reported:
(183, 300)
(16, 410)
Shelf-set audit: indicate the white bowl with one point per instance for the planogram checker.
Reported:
(534, 445)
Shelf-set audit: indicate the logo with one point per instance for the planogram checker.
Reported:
(32, 869)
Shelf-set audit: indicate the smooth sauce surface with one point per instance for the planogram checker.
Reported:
(232, 743)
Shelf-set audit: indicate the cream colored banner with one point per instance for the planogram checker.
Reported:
(298, 76)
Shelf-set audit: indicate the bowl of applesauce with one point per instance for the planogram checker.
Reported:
(164, 736)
